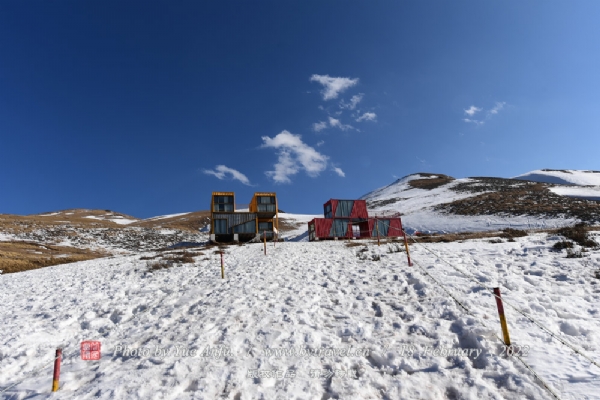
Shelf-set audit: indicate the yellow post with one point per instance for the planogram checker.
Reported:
(222, 266)
(502, 317)
(277, 214)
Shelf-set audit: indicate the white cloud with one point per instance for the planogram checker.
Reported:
(368, 116)
(339, 172)
(333, 85)
(473, 121)
(221, 170)
(353, 102)
(319, 126)
(472, 110)
(321, 143)
(337, 124)
(294, 155)
(489, 114)
(499, 106)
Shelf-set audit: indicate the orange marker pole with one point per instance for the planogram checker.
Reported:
(56, 377)
(502, 317)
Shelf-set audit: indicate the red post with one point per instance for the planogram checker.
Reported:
(502, 317)
(56, 377)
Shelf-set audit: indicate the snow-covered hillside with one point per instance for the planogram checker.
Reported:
(420, 198)
(569, 182)
(416, 206)
(563, 177)
(384, 330)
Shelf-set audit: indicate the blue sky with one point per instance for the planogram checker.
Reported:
(147, 107)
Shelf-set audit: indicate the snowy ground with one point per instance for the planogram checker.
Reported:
(167, 216)
(300, 233)
(584, 192)
(114, 218)
(432, 221)
(306, 296)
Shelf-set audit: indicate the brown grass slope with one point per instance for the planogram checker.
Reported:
(37, 236)
(24, 256)
(431, 181)
(192, 222)
(525, 198)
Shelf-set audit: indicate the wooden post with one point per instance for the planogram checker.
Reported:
(406, 247)
(377, 229)
(56, 378)
(502, 317)
(222, 266)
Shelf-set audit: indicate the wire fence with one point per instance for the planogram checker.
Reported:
(490, 291)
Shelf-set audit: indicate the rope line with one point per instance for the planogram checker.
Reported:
(546, 386)
(531, 319)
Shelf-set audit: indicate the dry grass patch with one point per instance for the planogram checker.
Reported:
(355, 243)
(168, 260)
(285, 225)
(578, 234)
(25, 256)
(454, 237)
(510, 233)
(430, 183)
(513, 197)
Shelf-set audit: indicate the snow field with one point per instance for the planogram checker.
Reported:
(307, 295)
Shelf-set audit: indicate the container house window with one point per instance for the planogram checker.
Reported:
(224, 207)
(247, 227)
(381, 226)
(265, 226)
(344, 208)
(220, 226)
(265, 203)
(339, 228)
(223, 203)
(328, 211)
(266, 200)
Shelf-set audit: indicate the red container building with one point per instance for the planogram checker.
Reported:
(350, 219)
